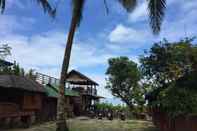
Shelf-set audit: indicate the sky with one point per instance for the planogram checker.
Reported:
(38, 41)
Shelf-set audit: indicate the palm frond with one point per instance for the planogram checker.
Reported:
(47, 7)
(2, 5)
(156, 14)
(77, 9)
(129, 5)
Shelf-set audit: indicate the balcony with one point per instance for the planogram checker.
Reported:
(86, 91)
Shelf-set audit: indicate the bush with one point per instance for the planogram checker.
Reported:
(178, 101)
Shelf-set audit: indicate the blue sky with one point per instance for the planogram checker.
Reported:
(38, 41)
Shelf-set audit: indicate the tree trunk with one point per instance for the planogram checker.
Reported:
(61, 118)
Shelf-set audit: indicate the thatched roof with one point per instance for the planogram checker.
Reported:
(75, 77)
(20, 82)
(5, 63)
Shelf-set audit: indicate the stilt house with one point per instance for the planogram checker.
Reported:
(80, 92)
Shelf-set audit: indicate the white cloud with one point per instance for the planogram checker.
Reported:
(46, 51)
(86, 56)
(127, 35)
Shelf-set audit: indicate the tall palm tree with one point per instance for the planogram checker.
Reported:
(156, 14)
(77, 9)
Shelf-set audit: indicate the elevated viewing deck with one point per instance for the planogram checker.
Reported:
(45, 79)
(75, 81)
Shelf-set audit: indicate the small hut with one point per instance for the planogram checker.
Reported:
(20, 98)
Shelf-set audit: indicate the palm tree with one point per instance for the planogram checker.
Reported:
(77, 9)
(156, 14)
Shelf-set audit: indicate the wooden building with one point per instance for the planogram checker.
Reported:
(20, 99)
(27, 100)
(50, 104)
(80, 92)
(86, 87)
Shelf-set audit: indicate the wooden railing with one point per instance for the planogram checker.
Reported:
(45, 79)
(91, 92)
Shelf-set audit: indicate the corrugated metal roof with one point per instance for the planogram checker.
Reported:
(52, 91)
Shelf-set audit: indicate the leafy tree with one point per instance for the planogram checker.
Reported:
(177, 101)
(31, 74)
(109, 106)
(171, 71)
(123, 78)
(167, 62)
(156, 13)
(15, 69)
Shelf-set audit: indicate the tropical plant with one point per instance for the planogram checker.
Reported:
(167, 62)
(15, 69)
(123, 81)
(156, 13)
(171, 70)
(109, 106)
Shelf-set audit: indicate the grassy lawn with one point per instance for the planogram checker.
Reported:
(97, 125)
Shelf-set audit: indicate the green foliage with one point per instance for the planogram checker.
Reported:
(5, 50)
(109, 106)
(178, 101)
(15, 69)
(31, 74)
(167, 62)
(170, 69)
(123, 79)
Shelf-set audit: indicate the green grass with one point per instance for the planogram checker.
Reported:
(97, 125)
(115, 125)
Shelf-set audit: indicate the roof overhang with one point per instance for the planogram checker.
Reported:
(77, 78)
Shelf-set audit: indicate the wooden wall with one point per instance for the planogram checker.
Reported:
(32, 101)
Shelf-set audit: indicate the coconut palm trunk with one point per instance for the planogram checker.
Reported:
(76, 17)
(61, 118)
